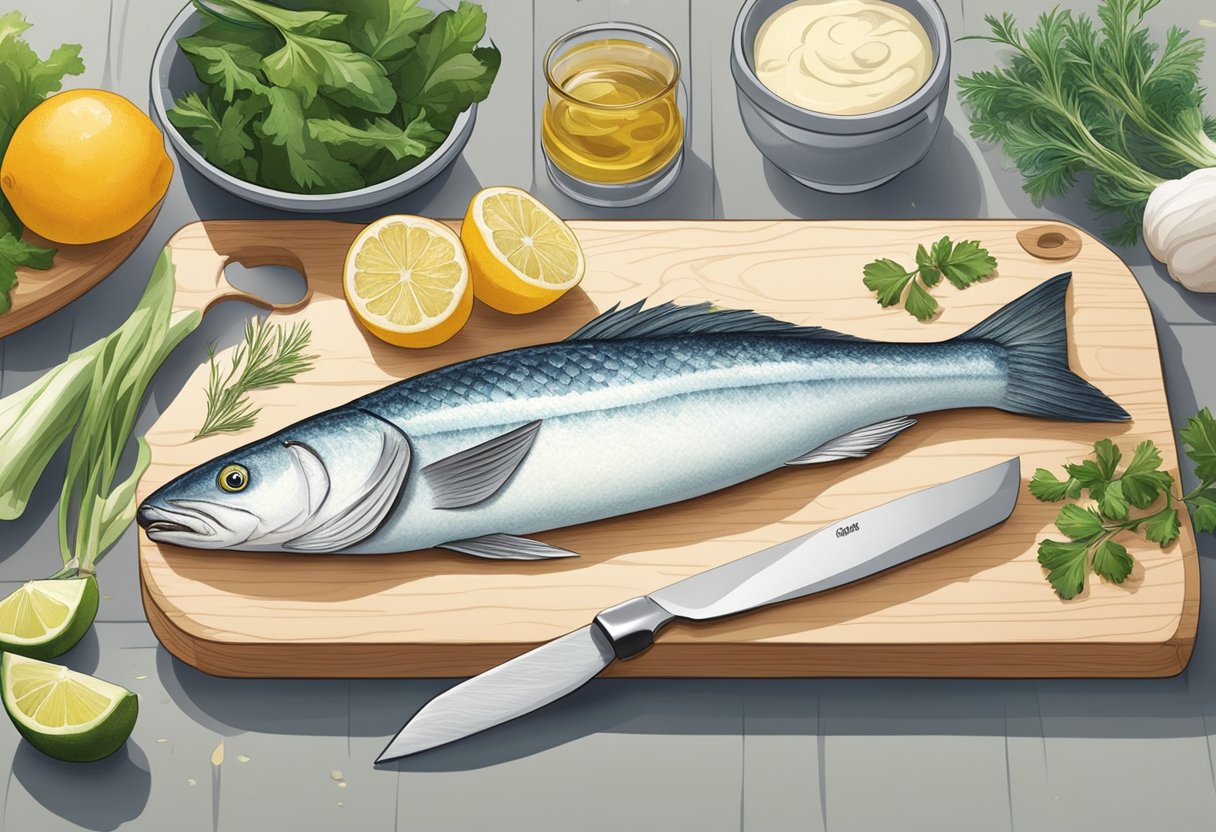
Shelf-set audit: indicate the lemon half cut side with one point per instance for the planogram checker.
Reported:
(521, 254)
(407, 281)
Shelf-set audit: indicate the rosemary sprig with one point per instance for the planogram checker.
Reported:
(269, 356)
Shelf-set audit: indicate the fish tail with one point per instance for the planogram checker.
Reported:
(1034, 331)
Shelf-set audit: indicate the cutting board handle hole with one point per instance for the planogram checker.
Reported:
(1050, 242)
(273, 284)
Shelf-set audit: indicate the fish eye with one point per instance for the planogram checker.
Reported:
(233, 478)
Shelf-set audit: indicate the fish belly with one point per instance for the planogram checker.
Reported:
(611, 460)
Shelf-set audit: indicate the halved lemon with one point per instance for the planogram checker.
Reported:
(523, 257)
(45, 619)
(407, 280)
(67, 715)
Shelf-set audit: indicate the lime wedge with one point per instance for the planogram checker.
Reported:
(64, 714)
(45, 619)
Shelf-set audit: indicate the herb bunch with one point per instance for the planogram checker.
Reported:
(1137, 499)
(1099, 97)
(269, 356)
(961, 263)
(25, 80)
(94, 397)
(321, 101)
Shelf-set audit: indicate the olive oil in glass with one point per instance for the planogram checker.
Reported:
(611, 115)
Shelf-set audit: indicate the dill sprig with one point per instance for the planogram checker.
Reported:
(1099, 97)
(269, 356)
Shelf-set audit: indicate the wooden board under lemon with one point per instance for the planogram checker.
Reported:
(85, 172)
(84, 166)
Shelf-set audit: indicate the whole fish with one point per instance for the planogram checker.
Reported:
(637, 409)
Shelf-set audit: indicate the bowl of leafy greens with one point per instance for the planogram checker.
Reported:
(342, 105)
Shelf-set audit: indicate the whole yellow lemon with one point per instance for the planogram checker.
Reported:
(84, 166)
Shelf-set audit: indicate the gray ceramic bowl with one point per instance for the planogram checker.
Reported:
(173, 76)
(840, 154)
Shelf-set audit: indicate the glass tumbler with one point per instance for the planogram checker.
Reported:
(612, 129)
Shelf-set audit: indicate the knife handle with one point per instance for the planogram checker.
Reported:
(632, 625)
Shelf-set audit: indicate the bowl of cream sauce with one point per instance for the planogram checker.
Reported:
(842, 95)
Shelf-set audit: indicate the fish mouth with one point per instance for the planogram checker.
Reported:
(162, 524)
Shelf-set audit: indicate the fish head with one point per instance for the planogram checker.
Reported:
(319, 486)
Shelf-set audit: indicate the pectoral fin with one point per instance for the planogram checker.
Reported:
(508, 547)
(856, 444)
(473, 476)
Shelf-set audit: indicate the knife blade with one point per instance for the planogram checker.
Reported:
(856, 547)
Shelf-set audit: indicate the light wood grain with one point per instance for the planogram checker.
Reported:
(76, 270)
(981, 608)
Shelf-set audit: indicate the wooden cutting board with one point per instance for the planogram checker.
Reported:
(980, 608)
(76, 270)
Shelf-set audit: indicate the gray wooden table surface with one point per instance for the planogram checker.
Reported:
(640, 754)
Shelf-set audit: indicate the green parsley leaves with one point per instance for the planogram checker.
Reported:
(961, 263)
(1123, 501)
(16, 252)
(325, 101)
(25, 80)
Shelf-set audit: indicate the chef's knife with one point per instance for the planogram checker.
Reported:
(853, 548)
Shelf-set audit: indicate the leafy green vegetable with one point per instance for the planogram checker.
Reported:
(387, 30)
(330, 99)
(16, 252)
(1079, 96)
(960, 263)
(223, 140)
(268, 357)
(381, 133)
(1141, 485)
(25, 80)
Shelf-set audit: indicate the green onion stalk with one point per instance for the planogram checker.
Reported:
(94, 396)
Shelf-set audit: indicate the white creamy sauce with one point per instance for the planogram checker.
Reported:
(843, 57)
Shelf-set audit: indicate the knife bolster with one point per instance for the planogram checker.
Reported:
(632, 625)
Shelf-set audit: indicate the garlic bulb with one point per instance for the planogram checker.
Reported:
(1180, 228)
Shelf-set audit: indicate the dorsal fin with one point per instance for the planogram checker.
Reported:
(672, 319)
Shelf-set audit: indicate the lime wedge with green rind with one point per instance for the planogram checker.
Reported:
(45, 619)
(64, 714)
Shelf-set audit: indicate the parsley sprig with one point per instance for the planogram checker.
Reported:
(961, 263)
(1138, 499)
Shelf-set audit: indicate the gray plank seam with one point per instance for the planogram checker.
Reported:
(1211, 760)
(107, 74)
(397, 800)
(533, 113)
(1038, 715)
(821, 751)
(1008, 775)
(742, 723)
